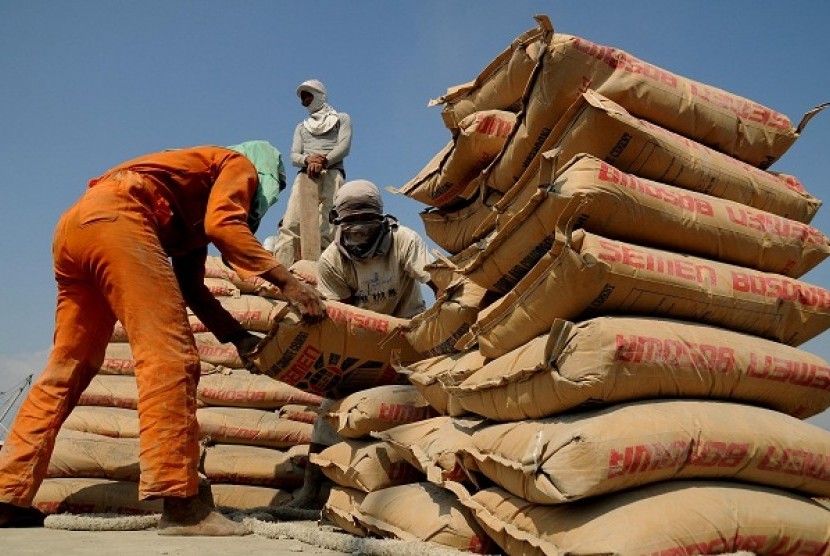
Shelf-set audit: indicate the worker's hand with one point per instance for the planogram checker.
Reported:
(314, 169)
(245, 347)
(305, 299)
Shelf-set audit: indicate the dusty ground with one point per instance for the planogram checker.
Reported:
(39, 541)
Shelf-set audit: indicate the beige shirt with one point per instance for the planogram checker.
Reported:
(389, 284)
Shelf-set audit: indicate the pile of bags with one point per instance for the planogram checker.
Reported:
(255, 430)
(614, 353)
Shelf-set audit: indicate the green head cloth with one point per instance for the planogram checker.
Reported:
(271, 173)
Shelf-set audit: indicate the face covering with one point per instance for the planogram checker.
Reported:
(365, 239)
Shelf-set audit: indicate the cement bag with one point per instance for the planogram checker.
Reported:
(118, 360)
(502, 83)
(240, 388)
(677, 517)
(93, 496)
(248, 497)
(574, 456)
(376, 409)
(212, 351)
(253, 427)
(350, 350)
(608, 360)
(299, 412)
(457, 228)
(341, 507)
(111, 391)
(437, 447)
(438, 329)
(80, 454)
(305, 271)
(423, 512)
(591, 194)
(253, 312)
(480, 138)
(365, 466)
(252, 465)
(432, 377)
(216, 269)
(652, 152)
(116, 422)
(588, 275)
(220, 287)
(727, 123)
(443, 270)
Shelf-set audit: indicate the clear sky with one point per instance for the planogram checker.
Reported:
(87, 84)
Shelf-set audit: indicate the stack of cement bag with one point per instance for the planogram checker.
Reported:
(255, 430)
(633, 350)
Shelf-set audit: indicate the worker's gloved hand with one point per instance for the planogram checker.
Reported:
(305, 299)
(245, 345)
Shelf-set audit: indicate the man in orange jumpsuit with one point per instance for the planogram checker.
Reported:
(133, 248)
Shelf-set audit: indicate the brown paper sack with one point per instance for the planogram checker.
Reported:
(253, 312)
(364, 465)
(377, 409)
(614, 359)
(457, 228)
(591, 194)
(240, 388)
(111, 391)
(251, 465)
(575, 456)
(341, 507)
(118, 360)
(116, 422)
(739, 127)
(253, 427)
(678, 517)
(648, 151)
(588, 275)
(502, 83)
(433, 376)
(480, 138)
(436, 330)
(350, 350)
(81, 454)
(93, 496)
(437, 447)
(423, 512)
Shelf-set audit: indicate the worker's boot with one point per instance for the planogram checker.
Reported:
(19, 516)
(193, 517)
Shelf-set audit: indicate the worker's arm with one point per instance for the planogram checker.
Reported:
(190, 273)
(344, 141)
(226, 225)
(297, 154)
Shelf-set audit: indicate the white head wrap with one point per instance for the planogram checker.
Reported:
(322, 117)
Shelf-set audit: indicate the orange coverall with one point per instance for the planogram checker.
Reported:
(111, 262)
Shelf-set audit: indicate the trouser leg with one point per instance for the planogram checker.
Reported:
(141, 287)
(83, 325)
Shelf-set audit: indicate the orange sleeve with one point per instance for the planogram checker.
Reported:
(226, 220)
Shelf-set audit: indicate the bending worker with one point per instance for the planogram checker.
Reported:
(111, 262)
(320, 144)
(374, 263)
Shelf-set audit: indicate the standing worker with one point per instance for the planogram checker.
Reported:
(111, 262)
(373, 263)
(320, 144)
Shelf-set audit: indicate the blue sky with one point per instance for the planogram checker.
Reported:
(87, 84)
